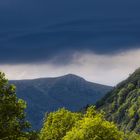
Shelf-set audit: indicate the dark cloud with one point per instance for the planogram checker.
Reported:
(39, 30)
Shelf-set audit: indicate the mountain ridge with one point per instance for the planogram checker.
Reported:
(49, 94)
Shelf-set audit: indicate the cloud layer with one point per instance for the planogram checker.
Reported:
(105, 69)
(49, 28)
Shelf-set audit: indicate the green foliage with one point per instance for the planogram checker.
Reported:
(65, 125)
(12, 116)
(93, 126)
(132, 136)
(58, 123)
(33, 135)
(131, 111)
(94, 129)
(122, 104)
(91, 112)
(131, 86)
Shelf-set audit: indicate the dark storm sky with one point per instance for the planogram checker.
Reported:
(37, 30)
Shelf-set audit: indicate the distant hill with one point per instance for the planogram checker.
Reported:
(122, 104)
(48, 94)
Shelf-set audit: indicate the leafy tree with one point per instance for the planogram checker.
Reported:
(94, 127)
(132, 136)
(57, 123)
(65, 125)
(12, 117)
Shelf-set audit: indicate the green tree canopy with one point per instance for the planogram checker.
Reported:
(132, 136)
(65, 125)
(12, 116)
(57, 123)
(94, 127)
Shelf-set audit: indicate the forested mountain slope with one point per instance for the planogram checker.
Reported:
(122, 104)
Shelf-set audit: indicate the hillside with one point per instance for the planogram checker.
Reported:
(122, 104)
(49, 94)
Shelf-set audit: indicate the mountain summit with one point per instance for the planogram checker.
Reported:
(122, 105)
(48, 94)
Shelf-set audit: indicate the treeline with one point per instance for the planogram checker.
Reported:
(59, 125)
(122, 104)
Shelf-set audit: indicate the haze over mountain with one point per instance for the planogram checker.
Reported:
(49, 94)
(122, 103)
